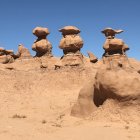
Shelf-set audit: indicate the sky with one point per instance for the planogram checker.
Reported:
(19, 17)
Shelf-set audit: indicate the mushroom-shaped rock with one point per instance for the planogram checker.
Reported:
(71, 43)
(23, 52)
(115, 49)
(42, 46)
(92, 57)
(113, 45)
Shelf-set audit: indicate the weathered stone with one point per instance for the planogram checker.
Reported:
(115, 80)
(42, 46)
(71, 43)
(23, 52)
(84, 105)
(92, 57)
(113, 45)
(6, 56)
(69, 30)
(41, 31)
(115, 49)
(122, 85)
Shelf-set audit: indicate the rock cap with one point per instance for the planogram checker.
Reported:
(69, 30)
(111, 31)
(41, 31)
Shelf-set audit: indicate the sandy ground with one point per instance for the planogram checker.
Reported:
(35, 105)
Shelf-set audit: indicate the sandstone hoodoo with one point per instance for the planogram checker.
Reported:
(23, 52)
(115, 49)
(42, 46)
(38, 95)
(115, 80)
(71, 43)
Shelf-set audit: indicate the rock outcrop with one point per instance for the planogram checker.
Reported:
(120, 84)
(6, 56)
(23, 52)
(71, 43)
(42, 46)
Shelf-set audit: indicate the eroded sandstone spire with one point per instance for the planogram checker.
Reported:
(23, 52)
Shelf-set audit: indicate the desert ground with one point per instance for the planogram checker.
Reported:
(36, 102)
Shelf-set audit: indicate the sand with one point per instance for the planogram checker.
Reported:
(35, 104)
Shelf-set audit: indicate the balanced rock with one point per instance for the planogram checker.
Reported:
(71, 43)
(42, 46)
(115, 49)
(113, 45)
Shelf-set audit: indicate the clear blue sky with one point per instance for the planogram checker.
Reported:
(19, 17)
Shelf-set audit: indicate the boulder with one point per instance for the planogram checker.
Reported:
(69, 30)
(84, 105)
(113, 45)
(40, 31)
(71, 43)
(119, 84)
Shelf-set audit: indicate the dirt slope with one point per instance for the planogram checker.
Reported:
(35, 104)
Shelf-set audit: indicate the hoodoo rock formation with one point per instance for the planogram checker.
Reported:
(115, 80)
(71, 43)
(42, 46)
(115, 49)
